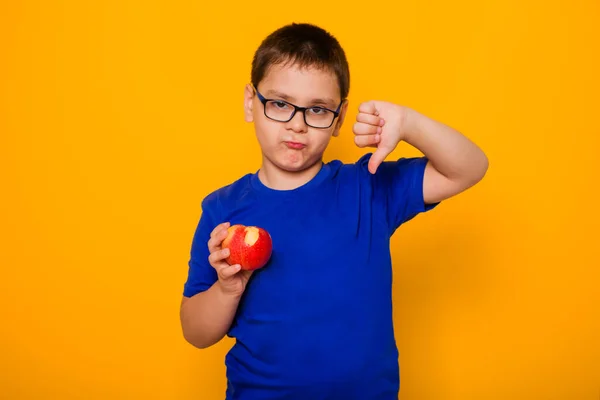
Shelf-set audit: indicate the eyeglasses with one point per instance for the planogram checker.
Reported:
(282, 111)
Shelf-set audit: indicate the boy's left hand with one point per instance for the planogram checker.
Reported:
(381, 125)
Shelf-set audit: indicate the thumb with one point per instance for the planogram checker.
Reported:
(377, 158)
(246, 275)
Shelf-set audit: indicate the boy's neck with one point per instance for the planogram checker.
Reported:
(278, 179)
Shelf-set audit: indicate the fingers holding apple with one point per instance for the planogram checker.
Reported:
(217, 259)
(232, 281)
(218, 254)
(217, 236)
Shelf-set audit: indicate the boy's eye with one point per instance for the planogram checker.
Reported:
(280, 104)
(318, 110)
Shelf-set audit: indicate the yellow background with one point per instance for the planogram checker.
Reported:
(117, 117)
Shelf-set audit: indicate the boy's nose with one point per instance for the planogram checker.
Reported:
(297, 123)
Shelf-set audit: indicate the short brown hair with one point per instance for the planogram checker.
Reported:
(305, 45)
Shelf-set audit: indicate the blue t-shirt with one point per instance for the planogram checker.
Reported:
(315, 322)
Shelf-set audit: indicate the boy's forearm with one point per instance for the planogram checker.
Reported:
(451, 153)
(207, 316)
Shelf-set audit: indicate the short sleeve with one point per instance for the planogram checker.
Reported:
(201, 275)
(401, 183)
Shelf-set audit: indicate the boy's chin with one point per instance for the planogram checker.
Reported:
(296, 167)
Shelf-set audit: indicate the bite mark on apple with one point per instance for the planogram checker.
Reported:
(251, 235)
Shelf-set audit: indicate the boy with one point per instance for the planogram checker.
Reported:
(316, 322)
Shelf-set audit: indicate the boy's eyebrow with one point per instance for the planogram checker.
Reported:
(283, 96)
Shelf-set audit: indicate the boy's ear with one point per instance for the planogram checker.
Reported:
(340, 118)
(248, 102)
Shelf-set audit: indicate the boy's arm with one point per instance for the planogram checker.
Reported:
(207, 316)
(455, 163)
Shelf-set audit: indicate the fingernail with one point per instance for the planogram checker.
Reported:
(379, 130)
(381, 122)
(226, 252)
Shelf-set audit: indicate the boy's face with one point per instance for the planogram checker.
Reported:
(294, 145)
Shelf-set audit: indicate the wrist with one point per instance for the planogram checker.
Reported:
(411, 125)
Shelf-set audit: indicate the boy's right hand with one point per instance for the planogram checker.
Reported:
(232, 279)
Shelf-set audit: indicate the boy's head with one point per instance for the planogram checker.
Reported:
(298, 65)
(304, 45)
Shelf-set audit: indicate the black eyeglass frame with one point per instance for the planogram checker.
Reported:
(264, 101)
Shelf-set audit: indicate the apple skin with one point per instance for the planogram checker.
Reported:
(249, 246)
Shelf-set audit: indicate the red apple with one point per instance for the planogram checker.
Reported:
(249, 246)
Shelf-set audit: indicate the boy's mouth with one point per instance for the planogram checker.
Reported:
(295, 145)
